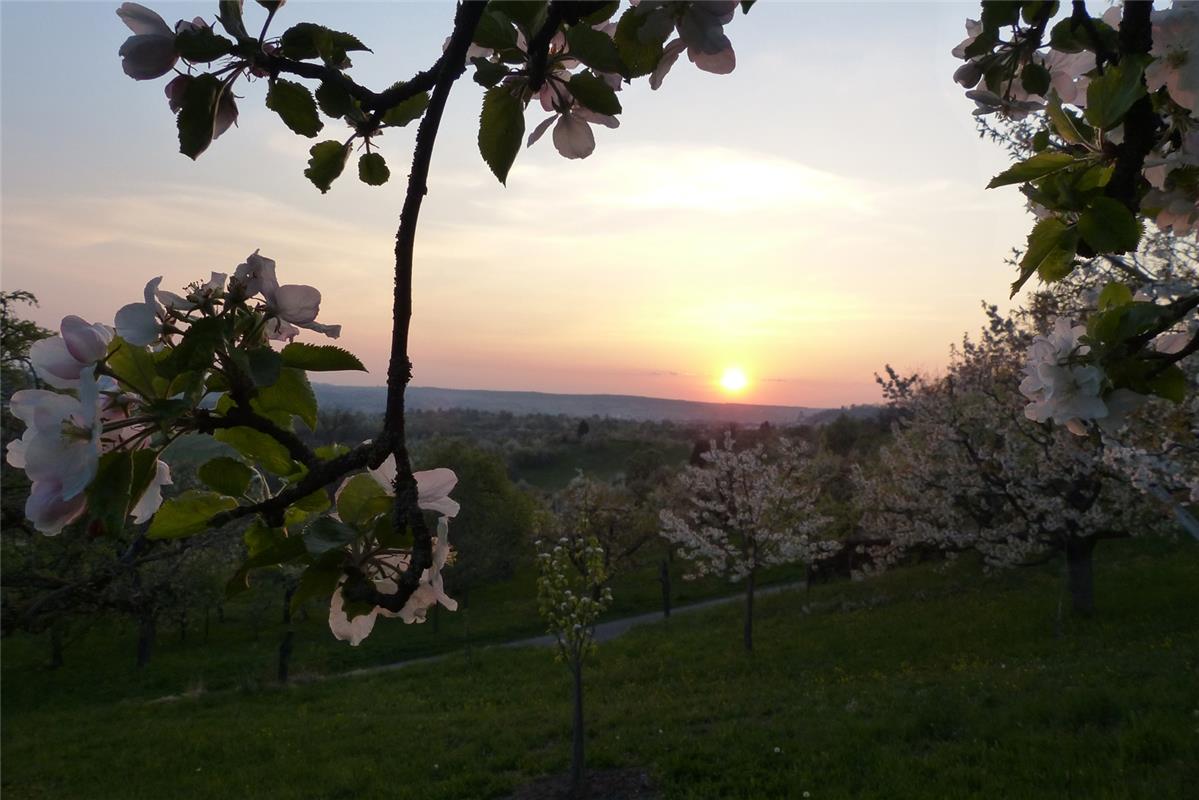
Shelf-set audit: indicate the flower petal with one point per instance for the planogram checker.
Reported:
(142, 20)
(296, 303)
(86, 342)
(573, 137)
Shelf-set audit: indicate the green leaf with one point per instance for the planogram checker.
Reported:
(278, 550)
(601, 14)
(201, 45)
(327, 161)
(187, 387)
(263, 365)
(313, 503)
(1068, 36)
(329, 451)
(594, 93)
(188, 514)
(501, 130)
(295, 106)
(196, 349)
(1170, 383)
(261, 538)
(1108, 227)
(1038, 166)
(639, 50)
(412, 108)
(225, 475)
(290, 394)
(196, 120)
(495, 31)
(318, 580)
(488, 73)
(133, 366)
(361, 499)
(529, 15)
(108, 495)
(333, 99)
(999, 13)
(1035, 78)
(319, 358)
(229, 13)
(1110, 95)
(306, 40)
(1114, 295)
(258, 447)
(372, 169)
(325, 533)
(1095, 177)
(1051, 247)
(595, 49)
(1066, 124)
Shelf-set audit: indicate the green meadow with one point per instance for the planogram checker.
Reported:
(931, 681)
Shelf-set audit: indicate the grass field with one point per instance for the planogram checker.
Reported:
(921, 683)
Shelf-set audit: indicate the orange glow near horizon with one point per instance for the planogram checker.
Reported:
(734, 380)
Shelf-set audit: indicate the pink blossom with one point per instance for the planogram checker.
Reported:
(138, 323)
(150, 52)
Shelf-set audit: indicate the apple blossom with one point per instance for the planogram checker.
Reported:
(294, 304)
(138, 323)
(433, 486)
(150, 52)
(197, 296)
(151, 499)
(61, 360)
(428, 593)
(701, 34)
(1176, 54)
(59, 451)
(1059, 390)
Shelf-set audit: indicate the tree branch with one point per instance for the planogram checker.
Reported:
(399, 368)
(371, 101)
(1140, 124)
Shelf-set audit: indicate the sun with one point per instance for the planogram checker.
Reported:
(734, 380)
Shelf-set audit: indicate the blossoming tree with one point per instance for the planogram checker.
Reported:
(572, 592)
(1112, 104)
(747, 509)
(208, 360)
(968, 470)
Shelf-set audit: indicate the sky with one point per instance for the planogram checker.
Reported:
(816, 214)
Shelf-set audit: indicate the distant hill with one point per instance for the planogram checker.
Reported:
(859, 412)
(370, 399)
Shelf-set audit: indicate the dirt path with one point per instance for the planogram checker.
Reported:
(604, 632)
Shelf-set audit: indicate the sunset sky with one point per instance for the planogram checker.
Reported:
(814, 215)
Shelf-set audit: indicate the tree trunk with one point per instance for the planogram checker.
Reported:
(220, 612)
(55, 646)
(464, 610)
(183, 627)
(285, 655)
(1080, 577)
(664, 579)
(576, 753)
(749, 612)
(287, 594)
(807, 578)
(145, 637)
